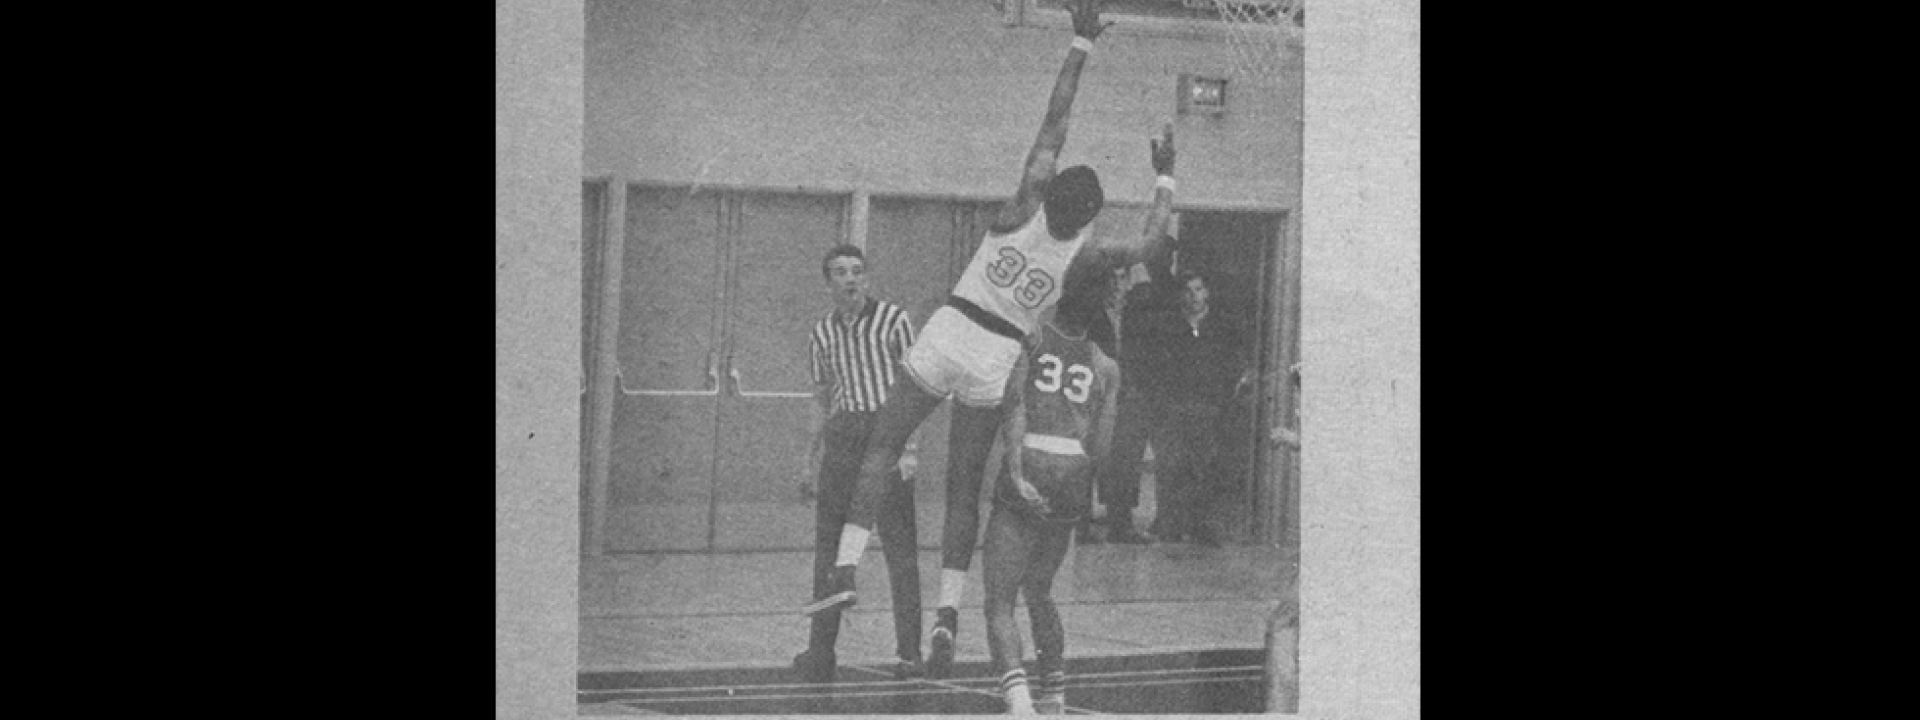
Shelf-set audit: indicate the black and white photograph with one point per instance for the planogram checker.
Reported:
(945, 357)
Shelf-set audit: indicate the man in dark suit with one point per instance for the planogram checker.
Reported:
(1118, 473)
(1202, 375)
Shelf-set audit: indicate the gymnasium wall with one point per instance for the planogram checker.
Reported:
(936, 97)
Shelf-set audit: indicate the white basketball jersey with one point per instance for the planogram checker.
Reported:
(1018, 275)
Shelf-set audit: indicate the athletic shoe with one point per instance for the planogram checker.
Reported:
(945, 630)
(839, 592)
(1050, 694)
(815, 666)
(908, 670)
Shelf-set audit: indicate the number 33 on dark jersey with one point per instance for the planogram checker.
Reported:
(1068, 393)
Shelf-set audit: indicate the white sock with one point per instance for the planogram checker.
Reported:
(1014, 686)
(853, 544)
(953, 584)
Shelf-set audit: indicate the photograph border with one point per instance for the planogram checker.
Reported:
(1359, 344)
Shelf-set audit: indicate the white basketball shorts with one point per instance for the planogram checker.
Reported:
(956, 357)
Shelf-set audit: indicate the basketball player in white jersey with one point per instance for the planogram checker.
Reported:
(970, 344)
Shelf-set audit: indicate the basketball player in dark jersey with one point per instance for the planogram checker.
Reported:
(1060, 401)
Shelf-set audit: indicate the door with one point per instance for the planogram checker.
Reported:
(774, 296)
(711, 427)
(660, 492)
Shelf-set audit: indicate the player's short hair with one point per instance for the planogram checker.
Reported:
(1083, 295)
(1073, 199)
(839, 251)
(1186, 276)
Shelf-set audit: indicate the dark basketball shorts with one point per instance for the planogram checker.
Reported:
(1064, 481)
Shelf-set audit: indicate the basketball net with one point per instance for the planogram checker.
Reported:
(1260, 31)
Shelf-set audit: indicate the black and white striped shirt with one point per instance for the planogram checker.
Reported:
(859, 359)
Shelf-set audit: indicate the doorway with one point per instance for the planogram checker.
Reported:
(1242, 256)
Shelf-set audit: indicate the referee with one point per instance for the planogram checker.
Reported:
(856, 352)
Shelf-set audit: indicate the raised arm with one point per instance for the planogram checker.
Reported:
(1162, 211)
(1038, 170)
(1135, 254)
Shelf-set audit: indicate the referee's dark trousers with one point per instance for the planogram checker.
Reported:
(845, 446)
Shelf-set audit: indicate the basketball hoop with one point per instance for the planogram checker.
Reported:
(1260, 31)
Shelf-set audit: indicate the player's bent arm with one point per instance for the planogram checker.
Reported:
(1013, 429)
(1135, 252)
(1158, 218)
(1100, 432)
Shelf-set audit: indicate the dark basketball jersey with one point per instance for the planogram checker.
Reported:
(1067, 387)
(1064, 388)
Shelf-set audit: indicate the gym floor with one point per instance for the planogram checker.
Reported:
(1168, 628)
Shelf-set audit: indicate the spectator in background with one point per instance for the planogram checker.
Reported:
(1121, 332)
(1202, 374)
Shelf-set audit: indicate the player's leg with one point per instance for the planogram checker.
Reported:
(1071, 483)
(1049, 635)
(969, 442)
(901, 547)
(1003, 569)
(906, 406)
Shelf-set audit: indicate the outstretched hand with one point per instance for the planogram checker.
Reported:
(1086, 18)
(1162, 151)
